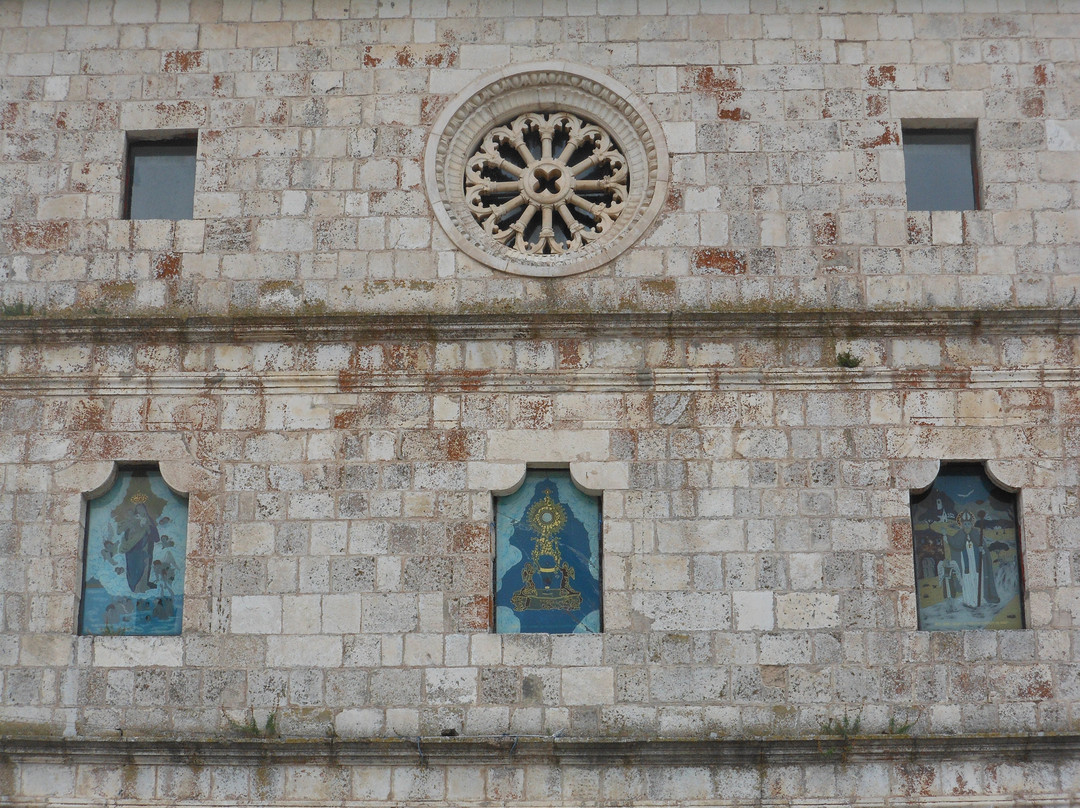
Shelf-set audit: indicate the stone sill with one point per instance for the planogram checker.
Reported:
(533, 750)
(554, 325)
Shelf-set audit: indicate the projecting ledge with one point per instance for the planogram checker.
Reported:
(473, 750)
(368, 327)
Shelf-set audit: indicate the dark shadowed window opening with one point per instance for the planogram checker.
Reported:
(161, 179)
(939, 167)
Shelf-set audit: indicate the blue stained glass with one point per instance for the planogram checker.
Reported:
(136, 543)
(967, 553)
(547, 557)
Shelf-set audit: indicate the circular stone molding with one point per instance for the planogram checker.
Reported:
(546, 169)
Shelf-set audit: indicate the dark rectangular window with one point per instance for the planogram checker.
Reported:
(161, 179)
(939, 166)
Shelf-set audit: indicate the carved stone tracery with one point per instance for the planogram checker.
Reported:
(546, 170)
(560, 166)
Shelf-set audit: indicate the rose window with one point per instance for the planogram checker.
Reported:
(545, 184)
(545, 170)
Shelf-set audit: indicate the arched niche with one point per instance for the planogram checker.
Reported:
(967, 552)
(548, 550)
(134, 525)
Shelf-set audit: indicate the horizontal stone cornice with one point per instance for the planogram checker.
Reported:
(554, 325)
(517, 750)
(588, 380)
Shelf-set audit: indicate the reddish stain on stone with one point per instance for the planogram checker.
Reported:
(430, 107)
(1038, 689)
(8, 115)
(44, 236)
(471, 379)
(735, 114)
(1069, 405)
(825, 229)
(112, 446)
(471, 538)
(88, 415)
(349, 381)
(178, 110)
(457, 445)
(706, 78)
(888, 137)
(167, 265)
(277, 115)
(534, 413)
(447, 57)
(916, 233)
(916, 779)
(402, 357)
(415, 56)
(1032, 104)
(881, 76)
(61, 120)
(900, 537)
(1034, 402)
(80, 181)
(876, 105)
(474, 613)
(1041, 77)
(347, 419)
(726, 262)
(181, 61)
(570, 353)
(201, 509)
(674, 199)
(962, 786)
(27, 147)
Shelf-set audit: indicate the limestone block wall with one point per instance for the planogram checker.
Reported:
(783, 127)
(757, 558)
(341, 392)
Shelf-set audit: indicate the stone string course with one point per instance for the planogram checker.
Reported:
(340, 391)
(532, 772)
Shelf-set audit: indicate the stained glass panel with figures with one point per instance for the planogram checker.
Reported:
(967, 553)
(547, 564)
(136, 541)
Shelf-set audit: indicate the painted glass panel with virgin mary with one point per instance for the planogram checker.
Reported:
(967, 552)
(136, 537)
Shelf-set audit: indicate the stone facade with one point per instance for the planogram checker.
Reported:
(341, 390)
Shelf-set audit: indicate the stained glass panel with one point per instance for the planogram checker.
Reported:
(967, 553)
(136, 542)
(547, 564)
